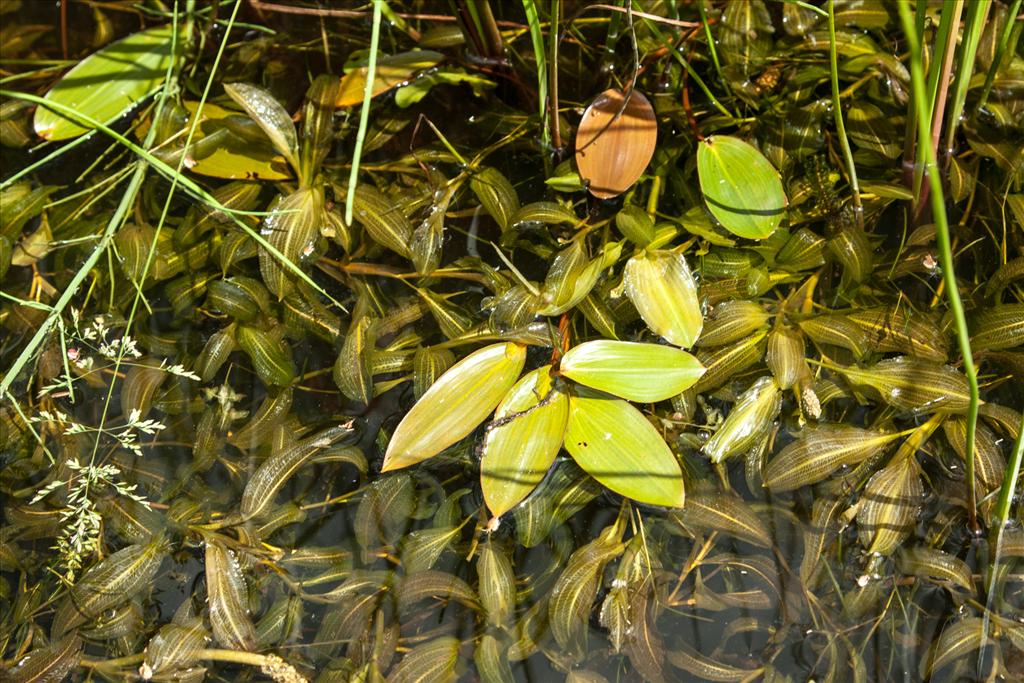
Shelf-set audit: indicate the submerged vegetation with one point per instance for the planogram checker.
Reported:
(422, 341)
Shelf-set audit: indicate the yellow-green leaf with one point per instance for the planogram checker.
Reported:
(523, 440)
(108, 83)
(614, 443)
(741, 187)
(660, 285)
(633, 371)
(455, 404)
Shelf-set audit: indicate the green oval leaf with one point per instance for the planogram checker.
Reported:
(108, 83)
(637, 372)
(616, 445)
(741, 187)
(455, 404)
(523, 440)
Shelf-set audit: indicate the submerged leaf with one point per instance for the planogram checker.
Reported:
(636, 372)
(49, 664)
(227, 597)
(748, 421)
(819, 451)
(889, 505)
(455, 404)
(918, 386)
(614, 443)
(268, 113)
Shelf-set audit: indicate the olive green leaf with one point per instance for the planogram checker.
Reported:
(175, 647)
(434, 661)
(918, 386)
(932, 563)
(293, 228)
(275, 471)
(614, 443)
(352, 369)
(497, 582)
(709, 509)
(391, 71)
(635, 225)
(630, 370)
(455, 404)
(748, 421)
(741, 187)
(386, 224)
(271, 357)
(110, 82)
(998, 327)
(115, 580)
(266, 111)
(227, 597)
(731, 321)
(48, 664)
(563, 493)
(496, 194)
(819, 451)
(523, 440)
(889, 505)
(660, 285)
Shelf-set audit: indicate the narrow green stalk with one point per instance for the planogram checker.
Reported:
(837, 112)
(1001, 49)
(945, 72)
(976, 15)
(945, 249)
(151, 255)
(364, 115)
(537, 39)
(553, 37)
(711, 41)
(1010, 478)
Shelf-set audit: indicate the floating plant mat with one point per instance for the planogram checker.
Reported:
(323, 360)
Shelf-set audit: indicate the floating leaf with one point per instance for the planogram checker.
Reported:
(742, 189)
(819, 451)
(615, 141)
(614, 443)
(522, 442)
(220, 150)
(661, 287)
(391, 71)
(636, 372)
(455, 404)
(110, 82)
(268, 113)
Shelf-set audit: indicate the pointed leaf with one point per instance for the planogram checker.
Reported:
(108, 83)
(266, 111)
(636, 372)
(228, 597)
(614, 443)
(523, 440)
(455, 404)
(741, 187)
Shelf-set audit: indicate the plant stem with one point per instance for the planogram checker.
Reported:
(837, 112)
(938, 202)
(537, 39)
(976, 16)
(364, 114)
(1004, 39)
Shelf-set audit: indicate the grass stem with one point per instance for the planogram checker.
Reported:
(364, 114)
(938, 202)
